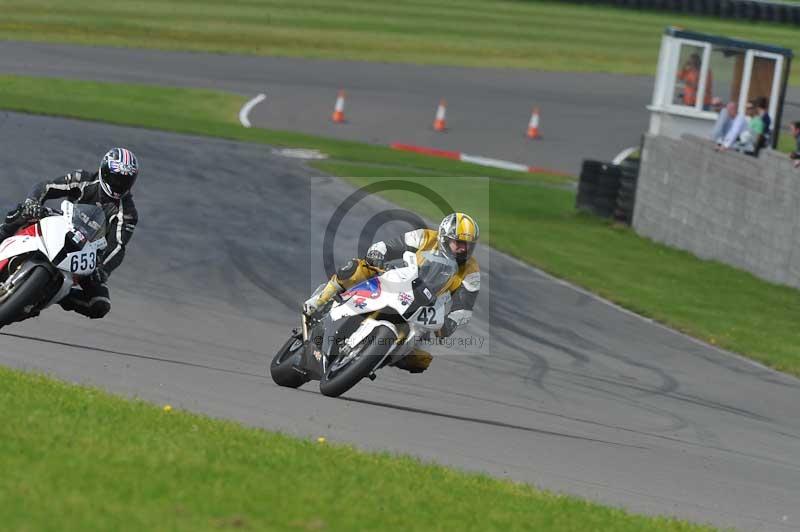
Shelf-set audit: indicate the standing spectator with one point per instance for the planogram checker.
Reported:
(724, 122)
(794, 127)
(690, 76)
(763, 139)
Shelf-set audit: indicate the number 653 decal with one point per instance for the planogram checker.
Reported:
(81, 262)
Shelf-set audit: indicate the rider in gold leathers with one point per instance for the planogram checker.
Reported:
(456, 238)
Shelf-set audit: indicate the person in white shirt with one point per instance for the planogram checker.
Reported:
(737, 127)
(724, 122)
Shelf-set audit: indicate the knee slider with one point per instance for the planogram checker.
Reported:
(98, 308)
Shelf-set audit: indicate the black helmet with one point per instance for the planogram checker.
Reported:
(118, 172)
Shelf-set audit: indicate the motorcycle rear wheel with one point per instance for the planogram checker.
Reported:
(29, 292)
(335, 382)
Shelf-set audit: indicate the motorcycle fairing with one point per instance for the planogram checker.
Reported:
(20, 244)
(49, 237)
(90, 247)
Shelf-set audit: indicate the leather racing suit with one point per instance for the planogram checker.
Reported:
(463, 286)
(92, 298)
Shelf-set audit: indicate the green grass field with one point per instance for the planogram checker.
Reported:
(534, 219)
(66, 463)
(505, 33)
(69, 463)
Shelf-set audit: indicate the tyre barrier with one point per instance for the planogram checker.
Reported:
(752, 10)
(626, 197)
(598, 188)
(608, 190)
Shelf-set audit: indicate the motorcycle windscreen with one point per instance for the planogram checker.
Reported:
(436, 270)
(90, 221)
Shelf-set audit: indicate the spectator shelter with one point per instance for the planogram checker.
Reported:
(698, 74)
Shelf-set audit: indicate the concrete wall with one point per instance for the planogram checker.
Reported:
(725, 206)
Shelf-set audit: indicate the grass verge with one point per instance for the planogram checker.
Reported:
(68, 465)
(536, 223)
(539, 35)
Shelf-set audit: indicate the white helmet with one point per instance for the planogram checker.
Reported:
(458, 235)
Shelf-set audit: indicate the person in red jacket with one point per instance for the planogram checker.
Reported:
(690, 76)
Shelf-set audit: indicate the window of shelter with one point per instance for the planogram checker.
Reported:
(693, 86)
(726, 66)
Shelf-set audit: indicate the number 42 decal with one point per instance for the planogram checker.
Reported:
(427, 315)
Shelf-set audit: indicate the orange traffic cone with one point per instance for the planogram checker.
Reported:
(440, 122)
(533, 125)
(338, 110)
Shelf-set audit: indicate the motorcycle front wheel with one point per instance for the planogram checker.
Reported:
(345, 373)
(29, 293)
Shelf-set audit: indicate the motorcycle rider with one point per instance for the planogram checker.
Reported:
(109, 188)
(456, 239)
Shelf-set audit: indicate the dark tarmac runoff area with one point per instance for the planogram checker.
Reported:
(582, 115)
(571, 393)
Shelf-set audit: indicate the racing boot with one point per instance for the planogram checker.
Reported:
(415, 362)
(74, 302)
(315, 303)
(91, 300)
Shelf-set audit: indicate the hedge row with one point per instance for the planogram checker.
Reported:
(753, 10)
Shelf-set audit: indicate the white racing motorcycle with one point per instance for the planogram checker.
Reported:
(42, 262)
(371, 325)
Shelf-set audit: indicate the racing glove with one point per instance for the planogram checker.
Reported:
(30, 210)
(310, 307)
(376, 259)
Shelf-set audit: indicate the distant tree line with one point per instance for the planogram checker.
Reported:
(752, 10)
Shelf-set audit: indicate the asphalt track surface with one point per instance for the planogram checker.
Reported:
(582, 115)
(575, 394)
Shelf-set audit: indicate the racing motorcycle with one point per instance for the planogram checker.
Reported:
(41, 263)
(372, 325)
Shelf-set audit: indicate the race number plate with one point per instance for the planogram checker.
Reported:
(427, 316)
(82, 262)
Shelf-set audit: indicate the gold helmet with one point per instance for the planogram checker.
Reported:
(458, 235)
